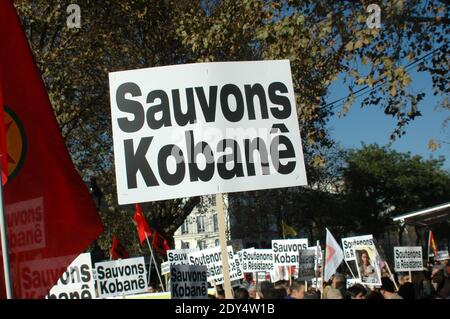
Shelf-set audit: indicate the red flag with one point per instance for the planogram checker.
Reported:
(141, 224)
(160, 244)
(117, 250)
(51, 217)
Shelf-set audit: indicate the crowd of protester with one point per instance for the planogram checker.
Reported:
(431, 283)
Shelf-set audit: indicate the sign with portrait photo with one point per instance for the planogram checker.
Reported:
(368, 265)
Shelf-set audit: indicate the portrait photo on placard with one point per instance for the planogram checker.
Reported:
(367, 263)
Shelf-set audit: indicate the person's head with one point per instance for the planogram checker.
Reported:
(365, 259)
(438, 274)
(387, 287)
(334, 293)
(252, 292)
(220, 293)
(403, 278)
(407, 291)
(275, 293)
(241, 293)
(338, 281)
(312, 295)
(374, 294)
(263, 289)
(249, 277)
(356, 291)
(282, 284)
(297, 290)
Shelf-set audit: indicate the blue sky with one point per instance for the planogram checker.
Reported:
(371, 125)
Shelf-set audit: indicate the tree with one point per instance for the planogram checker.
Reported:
(322, 39)
(381, 183)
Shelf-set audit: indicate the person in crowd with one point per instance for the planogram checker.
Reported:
(339, 282)
(440, 282)
(326, 288)
(356, 291)
(252, 291)
(312, 295)
(220, 293)
(274, 293)
(263, 289)
(248, 280)
(281, 293)
(388, 289)
(334, 293)
(402, 278)
(406, 291)
(374, 294)
(297, 290)
(241, 293)
(282, 284)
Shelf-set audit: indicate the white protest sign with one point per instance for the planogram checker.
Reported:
(368, 264)
(179, 256)
(262, 276)
(316, 283)
(236, 272)
(352, 282)
(212, 258)
(286, 251)
(408, 259)
(306, 270)
(442, 255)
(188, 282)
(165, 268)
(255, 260)
(77, 282)
(349, 242)
(197, 129)
(121, 277)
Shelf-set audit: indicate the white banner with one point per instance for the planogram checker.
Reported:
(307, 262)
(77, 282)
(165, 268)
(408, 259)
(121, 277)
(368, 264)
(442, 255)
(349, 242)
(197, 129)
(255, 260)
(286, 251)
(352, 282)
(188, 282)
(179, 256)
(212, 259)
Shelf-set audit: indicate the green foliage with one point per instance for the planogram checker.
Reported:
(381, 183)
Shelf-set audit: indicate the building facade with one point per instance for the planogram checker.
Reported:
(201, 228)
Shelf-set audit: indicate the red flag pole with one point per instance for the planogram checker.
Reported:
(4, 239)
(4, 236)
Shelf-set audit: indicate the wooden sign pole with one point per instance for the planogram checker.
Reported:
(223, 246)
